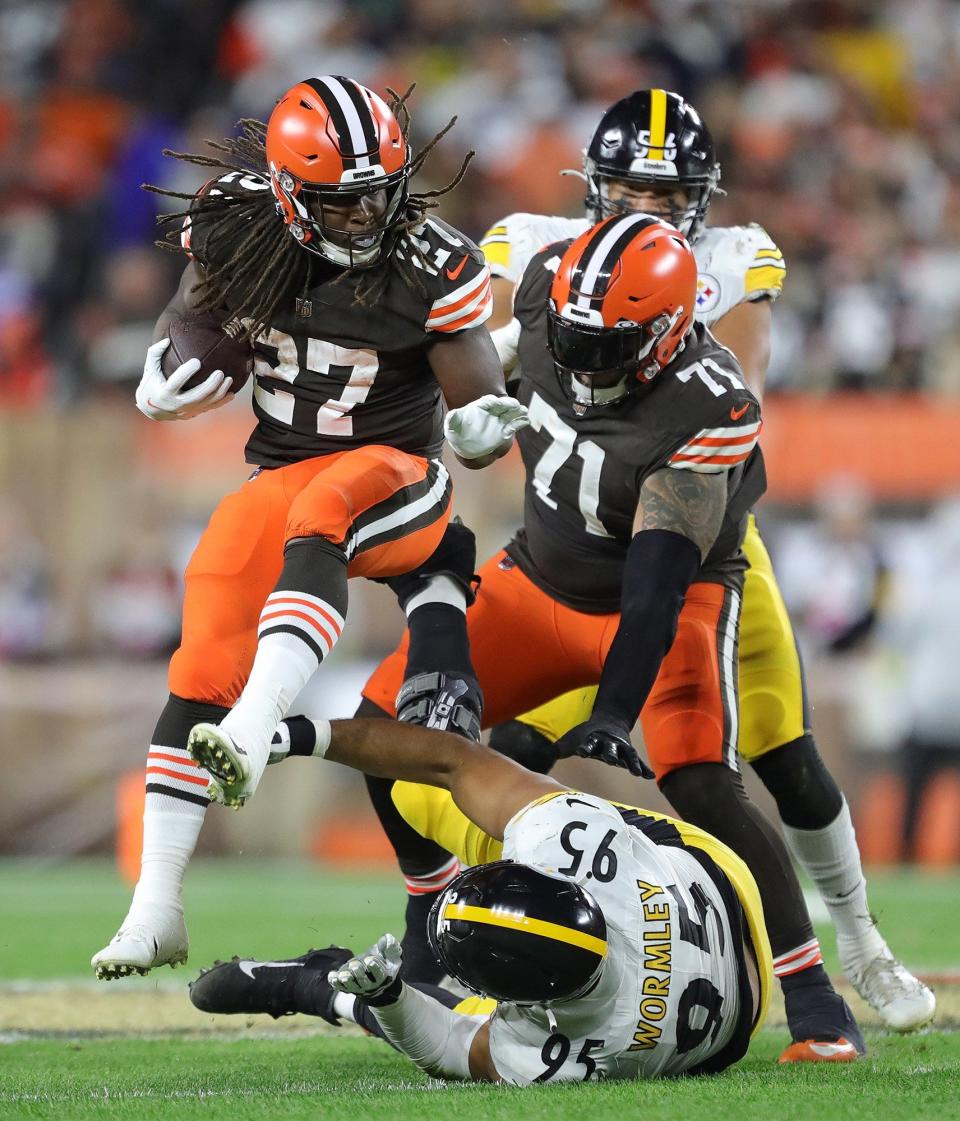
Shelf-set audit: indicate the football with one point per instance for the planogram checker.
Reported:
(201, 336)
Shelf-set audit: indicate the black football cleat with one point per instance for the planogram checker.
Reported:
(277, 988)
(443, 701)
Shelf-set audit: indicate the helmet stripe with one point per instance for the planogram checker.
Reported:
(591, 274)
(351, 117)
(658, 123)
(525, 924)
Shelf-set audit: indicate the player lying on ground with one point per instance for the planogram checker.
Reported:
(651, 152)
(617, 943)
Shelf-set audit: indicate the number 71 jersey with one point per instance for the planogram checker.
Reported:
(673, 995)
(585, 468)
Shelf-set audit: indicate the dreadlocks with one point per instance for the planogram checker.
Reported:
(265, 268)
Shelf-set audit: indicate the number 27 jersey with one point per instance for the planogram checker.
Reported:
(334, 371)
(673, 996)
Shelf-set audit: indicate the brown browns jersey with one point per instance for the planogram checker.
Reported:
(584, 472)
(331, 374)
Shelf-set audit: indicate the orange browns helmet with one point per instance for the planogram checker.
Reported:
(621, 305)
(330, 140)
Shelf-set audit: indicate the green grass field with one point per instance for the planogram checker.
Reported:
(137, 1049)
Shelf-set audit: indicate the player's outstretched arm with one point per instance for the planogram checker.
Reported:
(482, 419)
(677, 522)
(439, 1040)
(487, 787)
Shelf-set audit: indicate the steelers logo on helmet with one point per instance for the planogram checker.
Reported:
(519, 934)
(653, 140)
(621, 305)
(339, 168)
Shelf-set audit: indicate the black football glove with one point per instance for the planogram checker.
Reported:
(604, 738)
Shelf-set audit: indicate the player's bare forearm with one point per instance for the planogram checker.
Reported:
(466, 366)
(745, 330)
(686, 502)
(487, 787)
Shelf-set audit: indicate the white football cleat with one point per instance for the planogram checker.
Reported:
(155, 936)
(903, 1002)
(232, 768)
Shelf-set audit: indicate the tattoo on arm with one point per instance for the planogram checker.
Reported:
(686, 502)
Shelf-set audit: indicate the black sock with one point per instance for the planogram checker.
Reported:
(438, 641)
(806, 794)
(420, 964)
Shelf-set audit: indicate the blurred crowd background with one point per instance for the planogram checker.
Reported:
(838, 129)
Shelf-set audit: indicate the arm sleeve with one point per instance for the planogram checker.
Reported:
(434, 1037)
(660, 566)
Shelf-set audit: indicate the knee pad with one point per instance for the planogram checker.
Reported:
(455, 556)
(524, 745)
(442, 701)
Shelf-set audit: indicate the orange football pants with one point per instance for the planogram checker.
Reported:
(527, 648)
(386, 508)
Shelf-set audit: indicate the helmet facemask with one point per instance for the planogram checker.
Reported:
(345, 249)
(598, 366)
(688, 219)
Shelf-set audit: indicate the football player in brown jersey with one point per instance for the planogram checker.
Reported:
(365, 316)
(642, 466)
(652, 152)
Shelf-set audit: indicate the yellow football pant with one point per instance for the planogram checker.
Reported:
(772, 700)
(434, 814)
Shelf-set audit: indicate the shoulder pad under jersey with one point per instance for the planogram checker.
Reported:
(735, 264)
(509, 244)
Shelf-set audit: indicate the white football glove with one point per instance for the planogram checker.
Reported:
(371, 973)
(160, 398)
(485, 425)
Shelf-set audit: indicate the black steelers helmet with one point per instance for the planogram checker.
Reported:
(653, 137)
(519, 934)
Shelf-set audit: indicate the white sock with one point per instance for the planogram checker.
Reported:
(343, 1005)
(172, 819)
(297, 631)
(438, 589)
(832, 860)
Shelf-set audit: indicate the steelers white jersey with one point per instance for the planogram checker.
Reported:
(673, 994)
(735, 263)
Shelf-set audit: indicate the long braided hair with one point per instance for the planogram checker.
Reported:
(266, 269)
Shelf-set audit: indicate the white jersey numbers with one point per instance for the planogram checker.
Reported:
(350, 374)
(544, 417)
(704, 370)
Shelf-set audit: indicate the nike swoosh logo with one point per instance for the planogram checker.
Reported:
(248, 966)
(452, 274)
(826, 1050)
(736, 414)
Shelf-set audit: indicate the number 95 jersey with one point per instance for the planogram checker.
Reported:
(674, 994)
